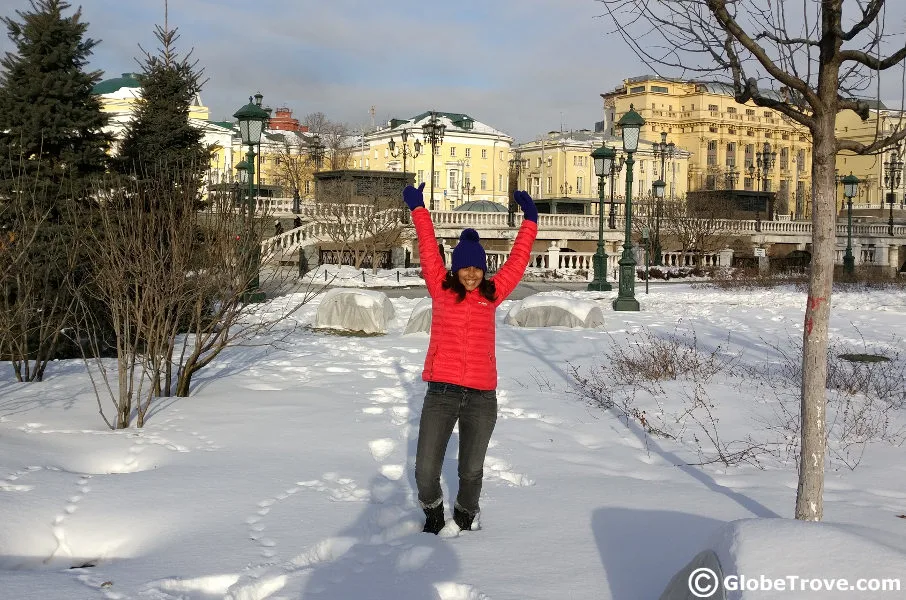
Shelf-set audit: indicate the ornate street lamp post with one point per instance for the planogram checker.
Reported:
(850, 189)
(765, 161)
(252, 121)
(316, 151)
(664, 150)
(603, 161)
(630, 124)
(893, 170)
(517, 165)
(615, 168)
(660, 186)
(433, 132)
(404, 149)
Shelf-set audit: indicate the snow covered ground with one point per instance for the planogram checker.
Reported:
(288, 474)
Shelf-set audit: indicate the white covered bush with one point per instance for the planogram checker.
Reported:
(554, 311)
(354, 309)
(420, 319)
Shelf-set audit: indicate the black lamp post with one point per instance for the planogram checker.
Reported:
(631, 125)
(893, 170)
(316, 151)
(732, 176)
(850, 189)
(664, 150)
(517, 165)
(404, 149)
(660, 186)
(765, 161)
(615, 168)
(433, 132)
(467, 190)
(252, 120)
(603, 159)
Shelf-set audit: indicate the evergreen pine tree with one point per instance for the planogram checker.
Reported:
(160, 141)
(51, 126)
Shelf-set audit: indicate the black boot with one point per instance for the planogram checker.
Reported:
(463, 518)
(434, 519)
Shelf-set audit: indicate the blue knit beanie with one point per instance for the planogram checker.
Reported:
(468, 252)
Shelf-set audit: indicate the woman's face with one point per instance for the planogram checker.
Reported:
(470, 277)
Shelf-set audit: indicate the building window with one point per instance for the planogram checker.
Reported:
(550, 185)
(731, 110)
(484, 181)
(539, 161)
(660, 89)
(484, 153)
(500, 182)
(468, 153)
(731, 154)
(550, 161)
(451, 177)
(637, 89)
(784, 158)
(436, 181)
(712, 129)
(750, 112)
(579, 181)
(421, 176)
(713, 107)
(452, 150)
(501, 155)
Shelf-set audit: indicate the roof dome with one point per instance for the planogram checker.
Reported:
(109, 86)
(481, 206)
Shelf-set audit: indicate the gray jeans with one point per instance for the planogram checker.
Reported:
(476, 411)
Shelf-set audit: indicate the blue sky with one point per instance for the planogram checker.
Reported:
(523, 66)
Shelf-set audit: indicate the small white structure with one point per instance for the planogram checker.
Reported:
(354, 309)
(420, 319)
(554, 311)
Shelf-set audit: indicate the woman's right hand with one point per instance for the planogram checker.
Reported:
(413, 197)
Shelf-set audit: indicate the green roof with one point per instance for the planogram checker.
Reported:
(108, 86)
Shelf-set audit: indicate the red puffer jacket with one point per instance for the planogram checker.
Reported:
(462, 346)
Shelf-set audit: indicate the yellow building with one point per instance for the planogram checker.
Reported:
(870, 169)
(558, 171)
(470, 164)
(725, 140)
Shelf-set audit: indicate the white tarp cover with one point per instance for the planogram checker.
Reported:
(355, 310)
(554, 311)
(420, 319)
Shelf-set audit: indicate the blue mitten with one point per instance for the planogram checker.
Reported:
(413, 197)
(527, 205)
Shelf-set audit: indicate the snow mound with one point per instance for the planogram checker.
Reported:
(554, 311)
(352, 309)
(420, 319)
(747, 552)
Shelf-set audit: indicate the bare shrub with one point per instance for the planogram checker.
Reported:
(659, 383)
(178, 286)
(863, 398)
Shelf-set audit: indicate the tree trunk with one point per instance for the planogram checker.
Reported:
(810, 492)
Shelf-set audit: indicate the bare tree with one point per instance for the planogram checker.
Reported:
(177, 285)
(363, 217)
(803, 59)
(337, 138)
(294, 167)
(698, 227)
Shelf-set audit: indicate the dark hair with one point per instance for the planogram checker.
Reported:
(486, 288)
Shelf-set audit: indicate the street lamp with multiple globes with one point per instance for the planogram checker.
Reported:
(316, 151)
(631, 125)
(893, 170)
(252, 121)
(517, 165)
(433, 132)
(850, 189)
(662, 150)
(603, 159)
(404, 148)
(660, 186)
(615, 167)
